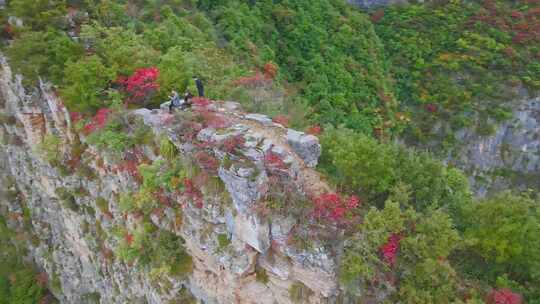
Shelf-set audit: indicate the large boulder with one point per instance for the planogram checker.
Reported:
(306, 146)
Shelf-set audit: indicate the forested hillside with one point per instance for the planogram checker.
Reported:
(361, 81)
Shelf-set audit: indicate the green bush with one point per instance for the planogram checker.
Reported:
(50, 147)
(371, 169)
(223, 240)
(112, 137)
(43, 54)
(503, 233)
(167, 149)
(85, 83)
(102, 204)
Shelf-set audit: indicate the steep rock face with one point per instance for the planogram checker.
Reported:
(73, 215)
(509, 158)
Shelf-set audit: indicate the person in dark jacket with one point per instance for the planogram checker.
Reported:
(187, 100)
(200, 86)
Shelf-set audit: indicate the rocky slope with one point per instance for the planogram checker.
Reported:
(238, 255)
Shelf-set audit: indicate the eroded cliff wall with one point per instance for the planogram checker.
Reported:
(76, 222)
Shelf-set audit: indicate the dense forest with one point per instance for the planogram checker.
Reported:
(359, 80)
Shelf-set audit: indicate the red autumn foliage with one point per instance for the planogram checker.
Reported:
(42, 279)
(390, 249)
(162, 198)
(191, 192)
(503, 296)
(201, 101)
(75, 117)
(129, 238)
(377, 15)
(432, 108)
(97, 122)
(141, 85)
(132, 159)
(314, 130)
(206, 161)
(232, 143)
(333, 207)
(270, 70)
(272, 161)
(214, 120)
(282, 120)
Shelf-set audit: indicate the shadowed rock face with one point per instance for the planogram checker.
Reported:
(74, 243)
(509, 158)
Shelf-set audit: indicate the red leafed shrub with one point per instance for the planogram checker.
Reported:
(98, 121)
(201, 101)
(273, 161)
(390, 249)
(132, 159)
(214, 120)
(314, 130)
(193, 193)
(270, 70)
(377, 15)
(162, 198)
(432, 108)
(42, 279)
(141, 85)
(166, 118)
(503, 296)
(206, 161)
(232, 143)
(282, 120)
(129, 238)
(516, 14)
(333, 207)
(75, 117)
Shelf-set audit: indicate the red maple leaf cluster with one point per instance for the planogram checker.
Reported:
(272, 161)
(201, 101)
(431, 108)
(390, 249)
(503, 296)
(129, 238)
(141, 84)
(191, 192)
(206, 161)
(97, 122)
(232, 143)
(314, 130)
(75, 117)
(214, 120)
(333, 207)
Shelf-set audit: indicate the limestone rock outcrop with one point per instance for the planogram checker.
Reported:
(239, 253)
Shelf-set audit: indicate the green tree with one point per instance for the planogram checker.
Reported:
(86, 82)
(504, 232)
(43, 54)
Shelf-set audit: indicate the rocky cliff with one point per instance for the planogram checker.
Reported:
(127, 227)
(508, 158)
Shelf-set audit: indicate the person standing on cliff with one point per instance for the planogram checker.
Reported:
(200, 86)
